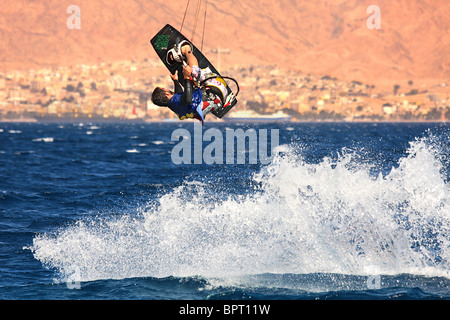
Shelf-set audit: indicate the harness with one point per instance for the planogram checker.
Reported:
(216, 84)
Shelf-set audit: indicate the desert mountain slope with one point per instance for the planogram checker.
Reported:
(322, 37)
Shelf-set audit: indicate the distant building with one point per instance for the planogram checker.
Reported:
(389, 109)
(36, 85)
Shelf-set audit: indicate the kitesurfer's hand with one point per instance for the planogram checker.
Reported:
(187, 71)
(174, 76)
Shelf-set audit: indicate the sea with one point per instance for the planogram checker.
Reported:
(341, 211)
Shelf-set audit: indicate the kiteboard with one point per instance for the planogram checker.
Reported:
(168, 38)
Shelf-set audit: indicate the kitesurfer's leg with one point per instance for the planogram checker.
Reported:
(186, 50)
(192, 61)
(210, 105)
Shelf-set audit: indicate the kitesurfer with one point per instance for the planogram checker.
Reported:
(203, 91)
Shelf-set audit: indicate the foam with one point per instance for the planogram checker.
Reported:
(334, 216)
(45, 139)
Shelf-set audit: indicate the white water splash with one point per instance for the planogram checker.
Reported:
(329, 217)
(45, 139)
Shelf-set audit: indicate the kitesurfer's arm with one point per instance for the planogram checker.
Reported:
(186, 98)
(177, 88)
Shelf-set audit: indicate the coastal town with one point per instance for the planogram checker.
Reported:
(121, 91)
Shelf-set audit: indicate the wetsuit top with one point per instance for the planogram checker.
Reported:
(187, 103)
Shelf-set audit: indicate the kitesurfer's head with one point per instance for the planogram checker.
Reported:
(161, 96)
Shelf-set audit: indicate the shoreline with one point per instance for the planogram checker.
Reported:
(102, 120)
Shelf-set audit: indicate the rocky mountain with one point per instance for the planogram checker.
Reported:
(322, 37)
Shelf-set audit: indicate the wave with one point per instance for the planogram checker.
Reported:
(133, 151)
(45, 139)
(331, 217)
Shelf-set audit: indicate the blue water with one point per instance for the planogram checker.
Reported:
(344, 211)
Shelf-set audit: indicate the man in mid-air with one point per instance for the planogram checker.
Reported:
(189, 101)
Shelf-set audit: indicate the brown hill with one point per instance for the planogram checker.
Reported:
(322, 37)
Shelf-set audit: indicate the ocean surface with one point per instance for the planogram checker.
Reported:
(341, 211)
